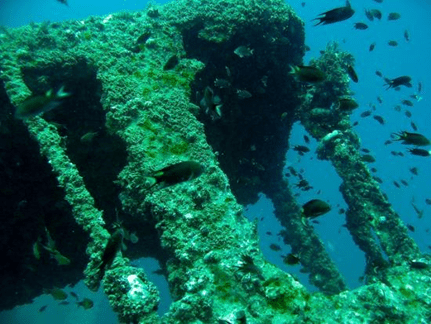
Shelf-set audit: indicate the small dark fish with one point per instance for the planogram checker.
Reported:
(369, 15)
(303, 185)
(222, 83)
(378, 1)
(291, 259)
(393, 43)
(406, 35)
(365, 150)
(387, 142)
(293, 171)
(419, 213)
(352, 74)
(306, 139)
(301, 149)
(419, 87)
(308, 74)
(418, 264)
(414, 170)
(397, 108)
(396, 184)
(211, 103)
(379, 119)
(159, 272)
(373, 170)
(380, 100)
(268, 233)
(37, 105)
(177, 173)
(243, 51)
(315, 208)
(394, 153)
(42, 308)
(428, 201)
(408, 113)
(347, 104)
(410, 227)
(171, 63)
(402, 80)
(366, 113)
(142, 39)
(111, 249)
(64, 303)
(376, 13)
(407, 103)
(341, 211)
(416, 97)
(63, 2)
(275, 247)
(379, 180)
(413, 125)
(411, 138)
(404, 182)
(86, 303)
(378, 73)
(368, 158)
(360, 26)
(88, 137)
(57, 293)
(394, 16)
(243, 94)
(419, 152)
(335, 15)
(372, 46)
(303, 4)
(400, 154)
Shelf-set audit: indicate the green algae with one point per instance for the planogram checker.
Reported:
(151, 110)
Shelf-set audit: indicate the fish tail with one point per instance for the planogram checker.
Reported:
(398, 136)
(218, 110)
(61, 93)
(321, 20)
(154, 180)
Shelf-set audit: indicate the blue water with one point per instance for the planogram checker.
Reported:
(408, 58)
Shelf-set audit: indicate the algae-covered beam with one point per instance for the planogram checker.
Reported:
(374, 225)
(304, 241)
(76, 194)
(371, 220)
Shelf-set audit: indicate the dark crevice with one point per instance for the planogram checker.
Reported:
(250, 129)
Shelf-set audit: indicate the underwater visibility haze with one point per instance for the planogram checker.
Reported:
(215, 161)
